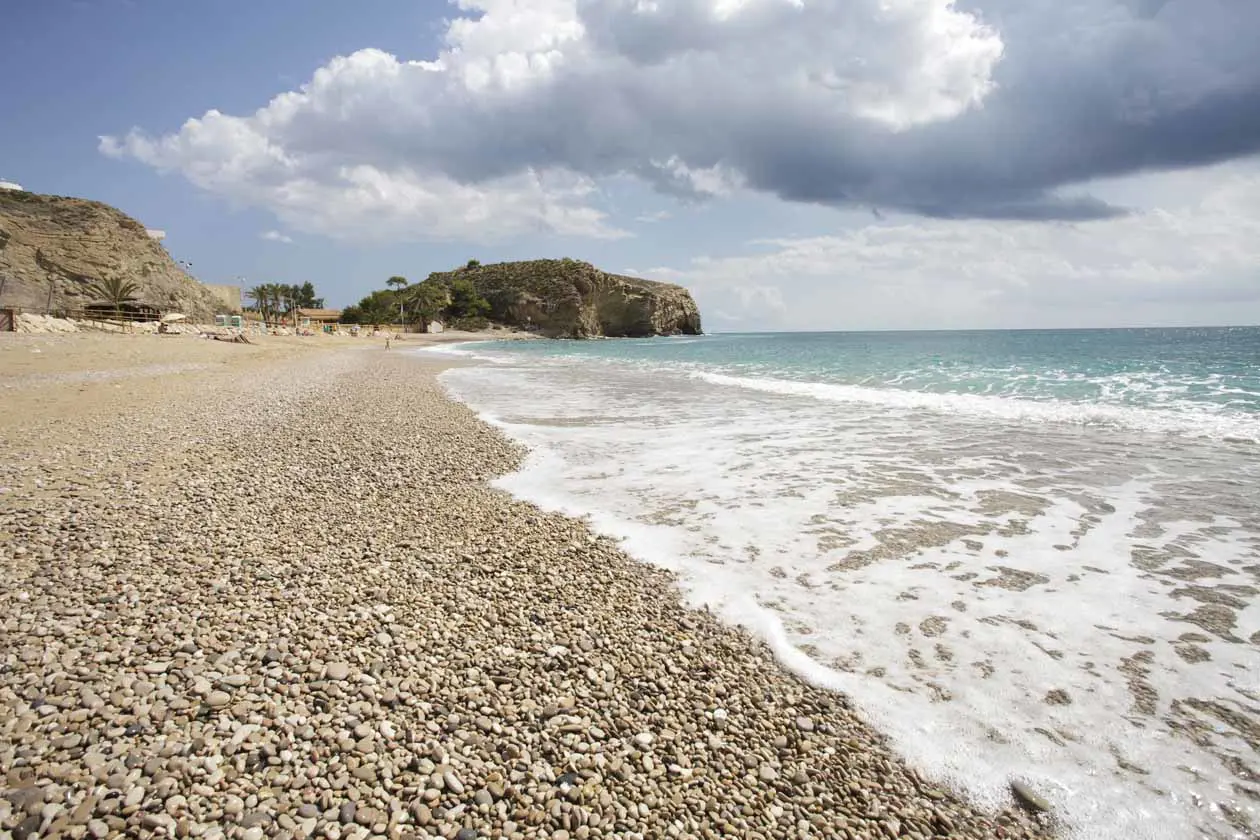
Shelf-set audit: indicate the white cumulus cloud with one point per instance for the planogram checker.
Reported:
(1191, 258)
(276, 236)
(510, 127)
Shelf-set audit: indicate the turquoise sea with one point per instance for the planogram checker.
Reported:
(1023, 554)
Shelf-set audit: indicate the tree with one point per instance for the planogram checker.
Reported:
(377, 308)
(427, 299)
(286, 301)
(396, 282)
(305, 295)
(269, 300)
(262, 301)
(473, 264)
(115, 291)
(465, 301)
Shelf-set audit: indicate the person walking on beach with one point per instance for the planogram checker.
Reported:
(387, 343)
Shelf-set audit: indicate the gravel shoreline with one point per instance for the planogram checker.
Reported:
(300, 610)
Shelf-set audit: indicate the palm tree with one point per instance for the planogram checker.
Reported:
(261, 296)
(427, 299)
(115, 291)
(283, 300)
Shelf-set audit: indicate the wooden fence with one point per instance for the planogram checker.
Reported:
(9, 316)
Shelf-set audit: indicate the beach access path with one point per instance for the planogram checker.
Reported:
(266, 590)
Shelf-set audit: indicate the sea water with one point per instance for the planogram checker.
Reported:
(1027, 555)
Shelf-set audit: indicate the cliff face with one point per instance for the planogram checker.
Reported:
(49, 242)
(571, 299)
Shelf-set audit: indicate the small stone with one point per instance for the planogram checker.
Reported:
(421, 813)
(157, 821)
(644, 739)
(28, 827)
(255, 833)
(470, 834)
(218, 699)
(483, 797)
(308, 811)
(804, 724)
(98, 828)
(1027, 797)
(346, 814)
(368, 817)
(68, 742)
(337, 671)
(452, 782)
(767, 773)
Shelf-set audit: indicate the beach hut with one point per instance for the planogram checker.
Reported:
(318, 318)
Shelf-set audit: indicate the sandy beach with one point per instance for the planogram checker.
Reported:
(266, 590)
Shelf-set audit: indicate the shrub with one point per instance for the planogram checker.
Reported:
(473, 323)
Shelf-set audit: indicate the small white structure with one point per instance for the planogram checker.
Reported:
(159, 235)
(9, 185)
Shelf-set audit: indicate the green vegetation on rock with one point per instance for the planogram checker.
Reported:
(563, 298)
(572, 299)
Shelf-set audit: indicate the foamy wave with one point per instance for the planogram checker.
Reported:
(463, 349)
(963, 597)
(1186, 420)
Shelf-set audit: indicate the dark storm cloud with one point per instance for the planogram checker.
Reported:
(1085, 91)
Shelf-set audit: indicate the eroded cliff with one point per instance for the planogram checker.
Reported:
(573, 299)
(51, 248)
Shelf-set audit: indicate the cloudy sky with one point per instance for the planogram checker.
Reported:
(799, 164)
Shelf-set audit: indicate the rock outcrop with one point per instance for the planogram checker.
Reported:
(571, 299)
(51, 248)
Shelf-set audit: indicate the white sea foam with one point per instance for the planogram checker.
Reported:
(857, 534)
(1194, 420)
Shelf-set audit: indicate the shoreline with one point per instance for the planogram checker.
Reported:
(288, 603)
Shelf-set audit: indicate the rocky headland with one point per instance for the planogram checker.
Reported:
(53, 247)
(573, 299)
(303, 612)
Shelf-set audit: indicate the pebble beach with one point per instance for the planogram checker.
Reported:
(267, 591)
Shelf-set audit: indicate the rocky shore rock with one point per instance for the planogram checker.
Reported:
(310, 616)
(51, 243)
(573, 299)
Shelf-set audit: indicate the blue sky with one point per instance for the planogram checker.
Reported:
(799, 166)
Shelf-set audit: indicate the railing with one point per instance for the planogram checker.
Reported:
(102, 315)
(9, 316)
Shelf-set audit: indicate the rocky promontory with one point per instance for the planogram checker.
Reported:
(573, 299)
(53, 247)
